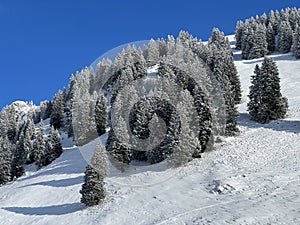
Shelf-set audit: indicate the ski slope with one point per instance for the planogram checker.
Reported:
(253, 178)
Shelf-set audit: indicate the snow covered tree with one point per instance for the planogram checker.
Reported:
(57, 114)
(117, 146)
(53, 147)
(296, 43)
(222, 65)
(153, 52)
(101, 115)
(39, 145)
(18, 159)
(68, 107)
(11, 123)
(266, 102)
(285, 37)
(5, 160)
(254, 93)
(93, 190)
(270, 37)
(239, 34)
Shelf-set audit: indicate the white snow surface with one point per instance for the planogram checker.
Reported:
(253, 178)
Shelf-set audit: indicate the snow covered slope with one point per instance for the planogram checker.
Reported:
(253, 178)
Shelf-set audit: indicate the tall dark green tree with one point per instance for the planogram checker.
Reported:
(266, 102)
(285, 37)
(93, 190)
(296, 43)
(5, 160)
(39, 145)
(57, 114)
(53, 147)
(270, 37)
(18, 158)
(101, 115)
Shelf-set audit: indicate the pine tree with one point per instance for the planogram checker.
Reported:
(270, 37)
(254, 94)
(93, 190)
(12, 124)
(39, 145)
(18, 158)
(296, 43)
(5, 160)
(153, 52)
(57, 114)
(119, 148)
(266, 102)
(101, 115)
(239, 34)
(53, 148)
(285, 37)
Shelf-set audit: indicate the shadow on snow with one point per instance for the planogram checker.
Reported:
(55, 210)
(58, 183)
(292, 126)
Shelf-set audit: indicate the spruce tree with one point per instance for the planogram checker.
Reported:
(53, 148)
(266, 102)
(57, 114)
(5, 160)
(254, 94)
(101, 115)
(93, 190)
(296, 43)
(239, 34)
(270, 37)
(39, 145)
(18, 158)
(285, 37)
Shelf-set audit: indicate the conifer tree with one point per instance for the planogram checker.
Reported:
(101, 115)
(5, 160)
(296, 43)
(57, 114)
(266, 102)
(53, 147)
(93, 190)
(11, 124)
(39, 145)
(239, 34)
(254, 94)
(18, 158)
(285, 37)
(270, 37)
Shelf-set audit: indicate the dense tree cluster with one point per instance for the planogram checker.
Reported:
(266, 102)
(22, 143)
(259, 36)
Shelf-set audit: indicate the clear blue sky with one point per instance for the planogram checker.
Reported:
(42, 42)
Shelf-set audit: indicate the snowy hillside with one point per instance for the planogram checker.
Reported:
(253, 178)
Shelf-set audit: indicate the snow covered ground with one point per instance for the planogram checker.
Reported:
(253, 178)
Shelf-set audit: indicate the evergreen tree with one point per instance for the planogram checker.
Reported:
(266, 102)
(39, 145)
(296, 43)
(239, 34)
(57, 114)
(254, 94)
(53, 148)
(101, 115)
(93, 190)
(5, 160)
(153, 52)
(270, 37)
(18, 158)
(285, 37)
(11, 124)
